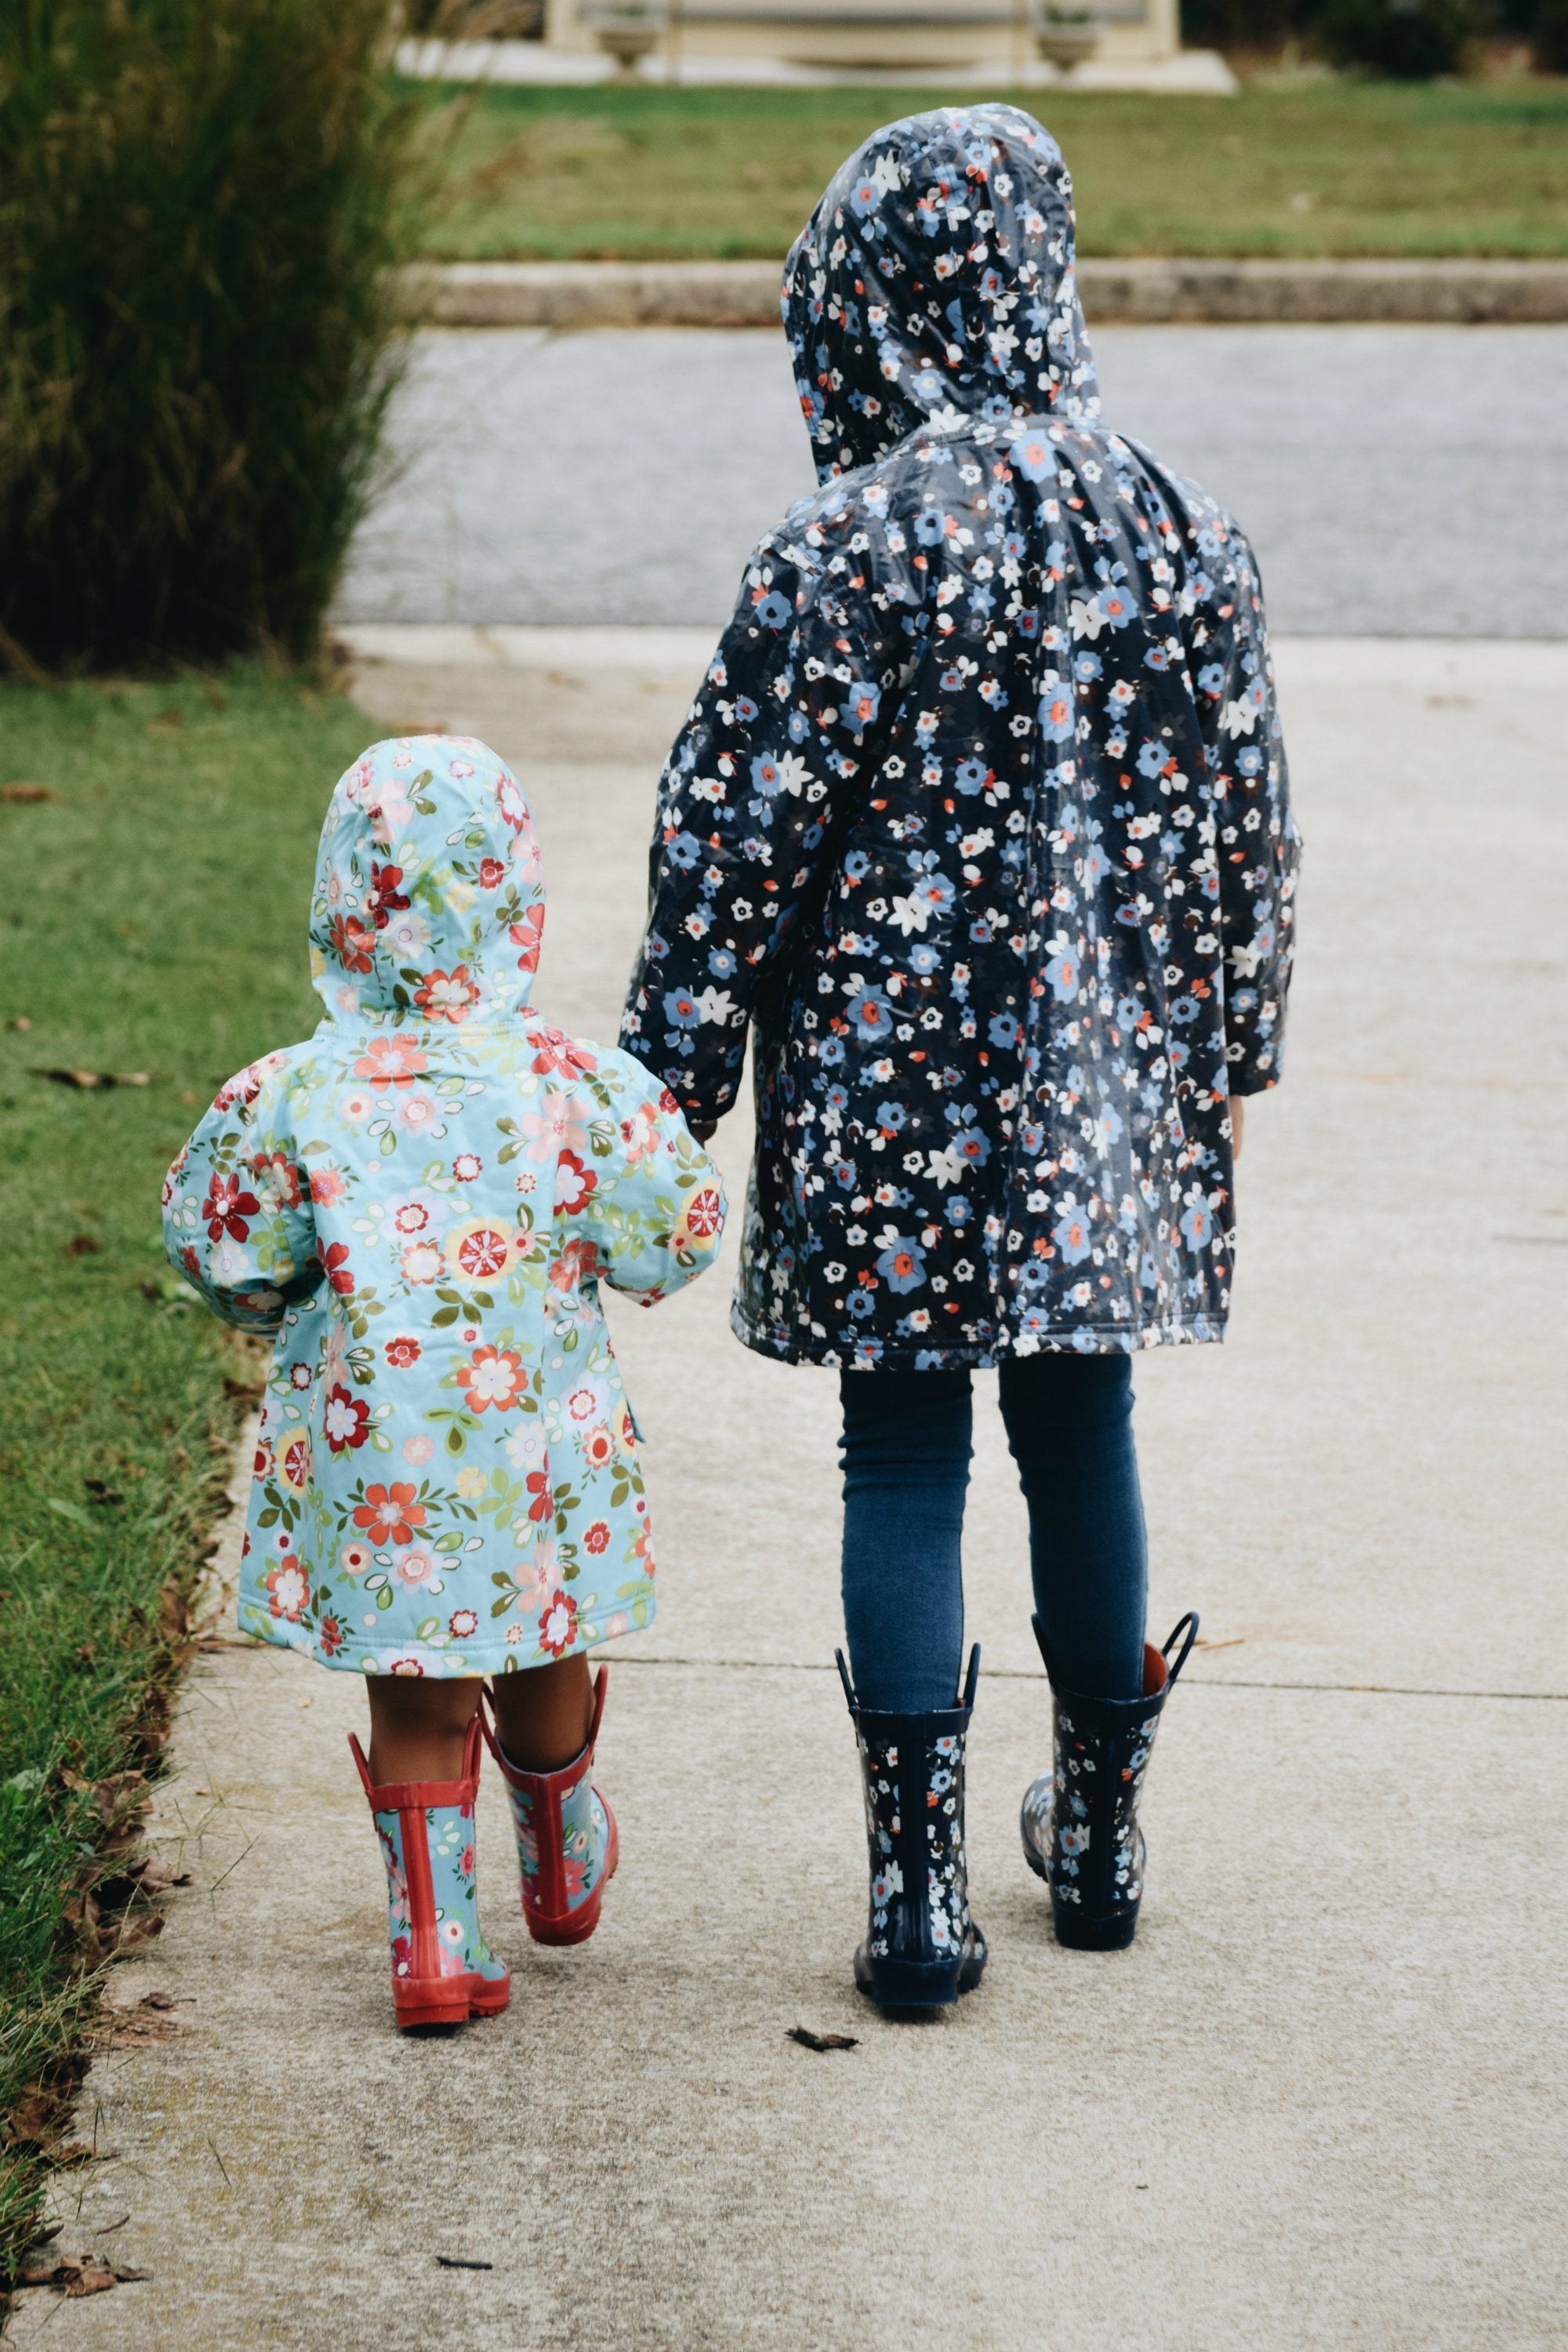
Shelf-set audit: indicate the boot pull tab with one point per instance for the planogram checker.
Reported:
(972, 1678)
(848, 1685)
(1190, 1624)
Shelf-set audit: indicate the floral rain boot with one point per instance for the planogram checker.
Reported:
(443, 1971)
(921, 1948)
(567, 1848)
(1079, 1820)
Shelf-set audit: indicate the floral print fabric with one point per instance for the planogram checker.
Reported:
(980, 822)
(935, 1769)
(449, 1833)
(420, 1203)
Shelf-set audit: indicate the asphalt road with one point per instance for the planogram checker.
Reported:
(1396, 481)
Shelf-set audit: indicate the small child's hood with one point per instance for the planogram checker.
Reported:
(429, 901)
(936, 280)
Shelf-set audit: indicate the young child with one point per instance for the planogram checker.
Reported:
(980, 824)
(418, 1205)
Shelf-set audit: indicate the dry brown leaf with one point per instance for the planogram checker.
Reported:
(25, 792)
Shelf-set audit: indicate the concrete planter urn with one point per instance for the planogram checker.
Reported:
(626, 33)
(1065, 39)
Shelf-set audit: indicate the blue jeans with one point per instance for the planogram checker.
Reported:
(906, 1451)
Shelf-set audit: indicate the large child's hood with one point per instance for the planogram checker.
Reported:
(429, 902)
(936, 280)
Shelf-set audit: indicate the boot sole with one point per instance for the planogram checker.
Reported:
(448, 2001)
(917, 1984)
(576, 1927)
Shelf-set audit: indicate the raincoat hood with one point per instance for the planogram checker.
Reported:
(428, 905)
(934, 282)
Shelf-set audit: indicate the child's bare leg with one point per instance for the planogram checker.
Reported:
(543, 1713)
(416, 1727)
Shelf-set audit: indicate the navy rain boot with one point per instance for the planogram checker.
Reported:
(1079, 1820)
(921, 1948)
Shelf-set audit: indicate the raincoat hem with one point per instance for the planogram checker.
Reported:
(1063, 1339)
(493, 1656)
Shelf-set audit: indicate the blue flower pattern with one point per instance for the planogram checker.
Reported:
(980, 822)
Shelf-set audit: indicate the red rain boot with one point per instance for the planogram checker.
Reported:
(443, 1971)
(566, 1842)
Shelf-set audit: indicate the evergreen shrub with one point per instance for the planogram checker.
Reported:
(201, 203)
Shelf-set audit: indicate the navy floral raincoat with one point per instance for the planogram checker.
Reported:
(980, 821)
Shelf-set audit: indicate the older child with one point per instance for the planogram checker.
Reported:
(418, 1205)
(979, 823)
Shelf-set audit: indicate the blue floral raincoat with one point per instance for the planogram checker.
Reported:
(980, 820)
(420, 1203)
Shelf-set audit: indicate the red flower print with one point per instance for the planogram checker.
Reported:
(353, 944)
(466, 1167)
(405, 1666)
(287, 1591)
(558, 1623)
(226, 1209)
(395, 1061)
(541, 1502)
(294, 1460)
(529, 936)
(493, 873)
(344, 1418)
(335, 1267)
(447, 995)
(389, 1514)
(705, 1216)
(482, 1255)
(327, 1185)
(402, 1352)
(330, 1634)
(493, 1376)
(666, 1102)
(574, 1183)
(559, 1051)
(385, 897)
(463, 1624)
(597, 1539)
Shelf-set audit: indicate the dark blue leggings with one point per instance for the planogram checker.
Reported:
(906, 1449)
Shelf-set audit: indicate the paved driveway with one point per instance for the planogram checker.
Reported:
(1396, 481)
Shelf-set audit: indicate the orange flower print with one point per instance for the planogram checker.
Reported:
(447, 995)
(288, 1590)
(395, 1061)
(482, 1253)
(598, 1447)
(542, 1498)
(402, 1352)
(389, 1514)
(330, 1634)
(529, 936)
(335, 1267)
(492, 1375)
(558, 1052)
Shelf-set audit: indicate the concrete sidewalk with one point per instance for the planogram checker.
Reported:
(1322, 2102)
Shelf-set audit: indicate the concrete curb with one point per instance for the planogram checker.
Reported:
(570, 294)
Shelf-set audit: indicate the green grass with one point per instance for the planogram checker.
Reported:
(154, 920)
(1467, 168)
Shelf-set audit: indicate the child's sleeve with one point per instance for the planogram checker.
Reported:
(655, 1212)
(1257, 844)
(781, 735)
(237, 1221)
